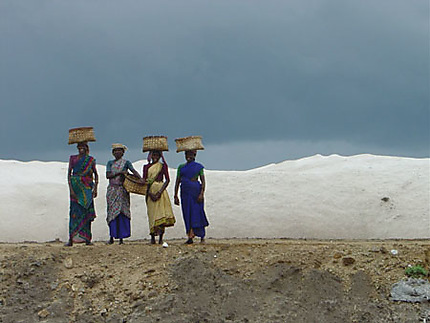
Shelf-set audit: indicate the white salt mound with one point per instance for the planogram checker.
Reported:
(321, 197)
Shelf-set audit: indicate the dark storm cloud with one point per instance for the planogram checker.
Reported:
(232, 71)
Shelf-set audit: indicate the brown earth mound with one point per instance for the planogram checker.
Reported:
(220, 281)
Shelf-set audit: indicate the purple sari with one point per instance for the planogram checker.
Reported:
(192, 210)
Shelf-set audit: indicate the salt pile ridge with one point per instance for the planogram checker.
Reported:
(321, 197)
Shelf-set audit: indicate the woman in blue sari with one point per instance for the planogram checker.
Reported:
(192, 196)
(83, 181)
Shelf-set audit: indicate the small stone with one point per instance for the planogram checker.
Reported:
(348, 261)
(383, 250)
(148, 309)
(139, 303)
(385, 199)
(68, 263)
(337, 255)
(170, 298)
(43, 313)
(134, 296)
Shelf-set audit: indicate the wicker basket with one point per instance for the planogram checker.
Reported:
(83, 134)
(155, 143)
(133, 185)
(189, 143)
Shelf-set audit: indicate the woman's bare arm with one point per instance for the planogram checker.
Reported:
(176, 198)
(202, 191)
(96, 180)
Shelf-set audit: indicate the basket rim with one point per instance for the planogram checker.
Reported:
(132, 178)
(150, 137)
(189, 137)
(79, 128)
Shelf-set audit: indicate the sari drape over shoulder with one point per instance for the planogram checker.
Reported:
(192, 210)
(82, 211)
(160, 213)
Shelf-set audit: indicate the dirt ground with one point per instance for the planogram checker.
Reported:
(228, 280)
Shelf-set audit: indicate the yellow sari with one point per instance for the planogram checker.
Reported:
(160, 213)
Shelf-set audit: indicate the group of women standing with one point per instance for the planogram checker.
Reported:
(83, 184)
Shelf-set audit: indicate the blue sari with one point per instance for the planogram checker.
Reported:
(192, 210)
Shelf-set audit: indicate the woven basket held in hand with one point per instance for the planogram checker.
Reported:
(155, 143)
(82, 134)
(189, 143)
(132, 185)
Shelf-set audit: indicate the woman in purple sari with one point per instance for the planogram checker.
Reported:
(192, 196)
(83, 190)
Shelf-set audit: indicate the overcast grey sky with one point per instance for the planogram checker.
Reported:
(261, 81)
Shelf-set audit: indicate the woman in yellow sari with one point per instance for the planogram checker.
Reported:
(160, 213)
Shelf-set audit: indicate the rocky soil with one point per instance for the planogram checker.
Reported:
(237, 280)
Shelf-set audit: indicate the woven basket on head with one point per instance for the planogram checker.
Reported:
(189, 143)
(155, 143)
(82, 134)
(132, 185)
